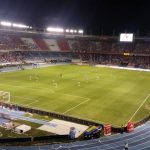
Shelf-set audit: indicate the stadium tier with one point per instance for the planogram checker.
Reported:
(16, 46)
(21, 46)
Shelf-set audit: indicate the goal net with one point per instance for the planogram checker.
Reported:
(4, 97)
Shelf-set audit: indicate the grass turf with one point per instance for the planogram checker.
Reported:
(99, 94)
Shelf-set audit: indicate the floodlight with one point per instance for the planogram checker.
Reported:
(80, 31)
(20, 25)
(71, 30)
(4, 23)
(52, 29)
(67, 30)
(75, 31)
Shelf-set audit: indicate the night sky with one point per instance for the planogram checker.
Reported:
(94, 16)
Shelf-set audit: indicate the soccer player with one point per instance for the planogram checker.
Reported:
(97, 78)
(61, 75)
(78, 83)
(53, 81)
(18, 67)
(126, 146)
(56, 85)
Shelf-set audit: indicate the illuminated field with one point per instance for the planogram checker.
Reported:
(100, 94)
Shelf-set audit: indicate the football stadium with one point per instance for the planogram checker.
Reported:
(64, 88)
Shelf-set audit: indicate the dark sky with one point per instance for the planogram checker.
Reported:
(94, 16)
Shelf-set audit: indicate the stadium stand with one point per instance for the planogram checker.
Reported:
(103, 51)
(52, 44)
(40, 42)
(30, 43)
(63, 44)
(27, 47)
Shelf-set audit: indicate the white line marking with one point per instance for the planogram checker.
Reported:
(76, 106)
(140, 106)
(24, 98)
(32, 103)
(33, 100)
(43, 89)
(125, 68)
(74, 96)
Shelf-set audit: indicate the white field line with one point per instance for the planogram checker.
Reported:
(33, 100)
(74, 96)
(26, 98)
(124, 68)
(32, 103)
(140, 106)
(50, 90)
(77, 106)
(45, 90)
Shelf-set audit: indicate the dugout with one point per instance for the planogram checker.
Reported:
(92, 132)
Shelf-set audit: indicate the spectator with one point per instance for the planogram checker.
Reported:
(126, 145)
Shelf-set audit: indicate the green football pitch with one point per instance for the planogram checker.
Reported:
(104, 95)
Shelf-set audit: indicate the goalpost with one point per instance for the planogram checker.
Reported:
(4, 96)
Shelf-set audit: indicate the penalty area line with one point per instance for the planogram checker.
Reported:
(147, 97)
(26, 100)
(72, 108)
(74, 96)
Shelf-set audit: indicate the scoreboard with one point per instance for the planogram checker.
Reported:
(126, 37)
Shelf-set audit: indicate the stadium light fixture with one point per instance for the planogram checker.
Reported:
(75, 31)
(7, 24)
(80, 31)
(52, 29)
(20, 26)
(71, 30)
(67, 30)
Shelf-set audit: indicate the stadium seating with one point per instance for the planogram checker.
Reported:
(41, 43)
(52, 44)
(102, 50)
(63, 45)
(30, 44)
(24, 47)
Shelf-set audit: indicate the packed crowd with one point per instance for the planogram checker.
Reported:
(119, 60)
(16, 48)
(113, 46)
(31, 56)
(20, 43)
